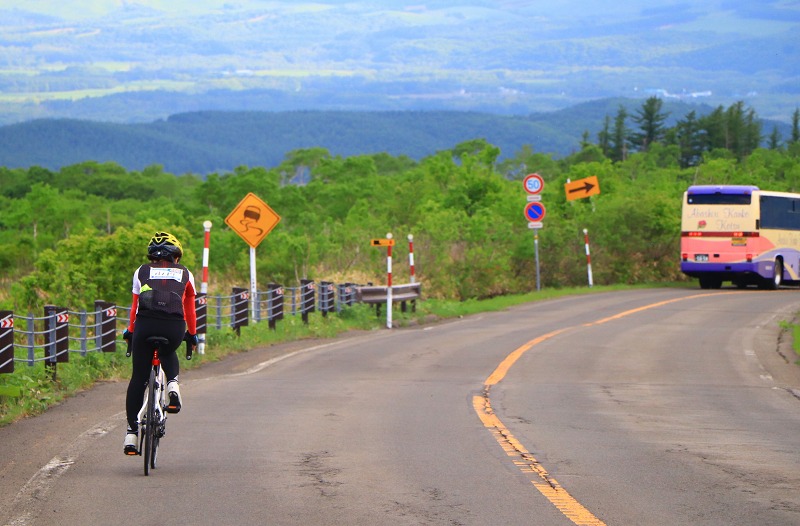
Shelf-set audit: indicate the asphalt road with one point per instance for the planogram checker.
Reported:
(649, 407)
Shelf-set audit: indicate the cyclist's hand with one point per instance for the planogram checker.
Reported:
(191, 339)
(128, 337)
(191, 344)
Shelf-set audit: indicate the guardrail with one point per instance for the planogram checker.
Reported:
(379, 295)
(59, 332)
(51, 338)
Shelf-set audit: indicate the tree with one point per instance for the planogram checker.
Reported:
(477, 148)
(689, 140)
(736, 129)
(796, 126)
(526, 161)
(620, 136)
(713, 127)
(774, 139)
(604, 137)
(751, 139)
(650, 120)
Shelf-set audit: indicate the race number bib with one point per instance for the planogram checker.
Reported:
(166, 273)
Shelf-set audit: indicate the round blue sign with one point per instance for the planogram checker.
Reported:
(534, 211)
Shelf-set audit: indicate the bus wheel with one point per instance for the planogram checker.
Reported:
(777, 278)
(710, 283)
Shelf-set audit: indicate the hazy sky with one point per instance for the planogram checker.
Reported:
(719, 15)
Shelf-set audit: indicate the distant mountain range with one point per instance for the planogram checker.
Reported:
(212, 141)
(139, 61)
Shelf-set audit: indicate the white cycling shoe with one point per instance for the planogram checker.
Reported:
(173, 397)
(131, 443)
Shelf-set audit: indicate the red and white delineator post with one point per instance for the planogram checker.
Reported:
(588, 256)
(201, 344)
(411, 257)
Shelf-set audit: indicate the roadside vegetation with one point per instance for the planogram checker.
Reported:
(75, 236)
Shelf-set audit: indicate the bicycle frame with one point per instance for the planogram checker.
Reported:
(152, 417)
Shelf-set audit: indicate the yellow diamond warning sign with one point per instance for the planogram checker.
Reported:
(252, 219)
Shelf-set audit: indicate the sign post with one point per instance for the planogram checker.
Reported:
(201, 344)
(389, 283)
(411, 258)
(387, 242)
(588, 256)
(534, 213)
(536, 251)
(252, 219)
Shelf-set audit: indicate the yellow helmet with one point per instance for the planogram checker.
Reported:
(164, 245)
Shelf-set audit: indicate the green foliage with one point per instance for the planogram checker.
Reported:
(89, 266)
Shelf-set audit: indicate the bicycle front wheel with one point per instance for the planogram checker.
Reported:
(149, 429)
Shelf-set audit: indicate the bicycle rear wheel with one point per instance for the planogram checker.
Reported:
(158, 425)
(149, 428)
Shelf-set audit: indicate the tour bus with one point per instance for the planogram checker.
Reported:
(740, 234)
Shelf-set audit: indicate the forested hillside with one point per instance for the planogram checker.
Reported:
(205, 142)
(74, 235)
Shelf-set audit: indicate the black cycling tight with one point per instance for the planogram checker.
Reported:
(142, 355)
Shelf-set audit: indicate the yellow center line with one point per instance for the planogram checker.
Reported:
(522, 458)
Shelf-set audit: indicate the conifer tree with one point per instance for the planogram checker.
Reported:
(620, 134)
(774, 139)
(604, 137)
(650, 120)
(689, 139)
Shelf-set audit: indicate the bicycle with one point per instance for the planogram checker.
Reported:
(152, 416)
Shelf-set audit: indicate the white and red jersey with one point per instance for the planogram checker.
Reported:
(163, 289)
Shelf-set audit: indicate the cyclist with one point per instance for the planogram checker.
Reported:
(163, 305)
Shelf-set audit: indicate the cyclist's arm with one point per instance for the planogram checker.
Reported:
(189, 313)
(134, 307)
(137, 286)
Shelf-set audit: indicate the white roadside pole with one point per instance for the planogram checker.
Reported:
(411, 258)
(588, 256)
(201, 344)
(536, 250)
(253, 289)
(389, 284)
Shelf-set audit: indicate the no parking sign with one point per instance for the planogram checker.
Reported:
(535, 212)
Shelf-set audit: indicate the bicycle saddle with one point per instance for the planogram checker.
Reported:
(157, 341)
